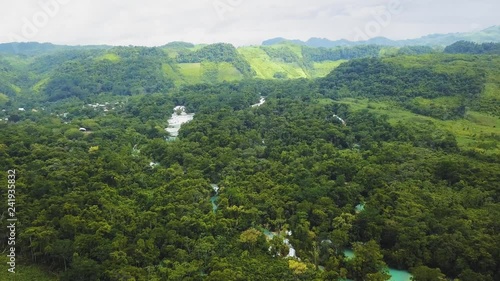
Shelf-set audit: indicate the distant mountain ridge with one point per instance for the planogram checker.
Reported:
(150, 69)
(35, 48)
(491, 34)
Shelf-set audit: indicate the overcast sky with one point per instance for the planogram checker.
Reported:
(241, 22)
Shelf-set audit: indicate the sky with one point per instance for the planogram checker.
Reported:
(240, 22)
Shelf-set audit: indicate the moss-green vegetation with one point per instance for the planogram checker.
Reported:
(172, 71)
(227, 72)
(265, 67)
(207, 72)
(110, 57)
(287, 59)
(191, 71)
(3, 99)
(321, 69)
(412, 138)
(40, 85)
(471, 132)
(25, 272)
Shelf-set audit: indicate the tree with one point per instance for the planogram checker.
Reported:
(367, 262)
(73, 134)
(252, 238)
(297, 267)
(424, 273)
(83, 269)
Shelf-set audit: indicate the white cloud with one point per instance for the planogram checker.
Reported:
(156, 22)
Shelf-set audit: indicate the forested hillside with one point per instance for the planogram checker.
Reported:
(182, 63)
(389, 162)
(467, 47)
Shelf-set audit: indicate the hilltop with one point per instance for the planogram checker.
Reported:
(174, 64)
(185, 63)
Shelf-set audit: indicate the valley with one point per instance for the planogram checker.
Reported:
(273, 162)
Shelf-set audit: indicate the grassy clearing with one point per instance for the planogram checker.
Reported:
(444, 102)
(321, 69)
(24, 272)
(265, 67)
(296, 49)
(388, 51)
(259, 61)
(197, 47)
(172, 73)
(325, 101)
(171, 53)
(3, 99)
(227, 72)
(37, 88)
(477, 131)
(192, 72)
(109, 56)
(492, 90)
(293, 70)
(16, 89)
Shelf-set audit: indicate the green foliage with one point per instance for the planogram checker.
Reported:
(94, 208)
(467, 47)
(368, 262)
(35, 49)
(138, 71)
(280, 75)
(179, 44)
(339, 53)
(444, 108)
(376, 78)
(415, 50)
(8, 79)
(3, 99)
(26, 272)
(217, 53)
(424, 273)
(73, 134)
(282, 54)
(265, 67)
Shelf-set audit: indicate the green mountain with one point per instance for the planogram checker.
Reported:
(50, 72)
(51, 69)
(35, 48)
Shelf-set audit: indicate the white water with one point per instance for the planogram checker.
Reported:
(286, 241)
(359, 208)
(215, 188)
(176, 120)
(261, 102)
(214, 198)
(291, 249)
(340, 119)
(291, 252)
